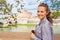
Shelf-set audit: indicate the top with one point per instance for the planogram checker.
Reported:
(44, 31)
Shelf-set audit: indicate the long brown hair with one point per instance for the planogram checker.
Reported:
(47, 10)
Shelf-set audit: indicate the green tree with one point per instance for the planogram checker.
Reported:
(21, 4)
(6, 8)
(55, 5)
(55, 15)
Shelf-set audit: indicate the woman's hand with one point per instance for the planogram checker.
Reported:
(32, 35)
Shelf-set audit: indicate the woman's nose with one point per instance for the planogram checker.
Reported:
(38, 13)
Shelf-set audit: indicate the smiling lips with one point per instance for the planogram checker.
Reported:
(39, 15)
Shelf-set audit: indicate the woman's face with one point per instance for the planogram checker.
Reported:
(41, 12)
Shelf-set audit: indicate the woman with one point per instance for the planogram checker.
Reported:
(44, 29)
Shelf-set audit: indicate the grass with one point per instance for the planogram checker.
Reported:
(8, 28)
(26, 24)
(29, 27)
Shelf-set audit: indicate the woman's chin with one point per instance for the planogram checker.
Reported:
(40, 18)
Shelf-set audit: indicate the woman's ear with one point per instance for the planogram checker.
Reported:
(48, 12)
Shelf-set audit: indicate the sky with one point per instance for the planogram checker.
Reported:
(30, 5)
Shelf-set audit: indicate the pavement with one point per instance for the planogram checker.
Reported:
(20, 36)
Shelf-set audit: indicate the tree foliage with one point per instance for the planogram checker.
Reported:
(55, 5)
(6, 8)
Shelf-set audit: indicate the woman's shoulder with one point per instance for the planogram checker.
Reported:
(46, 23)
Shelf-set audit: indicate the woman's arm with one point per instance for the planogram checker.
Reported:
(34, 37)
(46, 32)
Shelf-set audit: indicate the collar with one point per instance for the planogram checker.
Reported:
(42, 21)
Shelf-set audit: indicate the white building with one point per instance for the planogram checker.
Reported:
(26, 17)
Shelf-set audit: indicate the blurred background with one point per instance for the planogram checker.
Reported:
(21, 15)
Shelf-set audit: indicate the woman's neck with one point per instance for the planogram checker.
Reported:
(42, 19)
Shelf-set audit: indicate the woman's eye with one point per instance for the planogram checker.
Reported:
(37, 11)
(41, 11)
